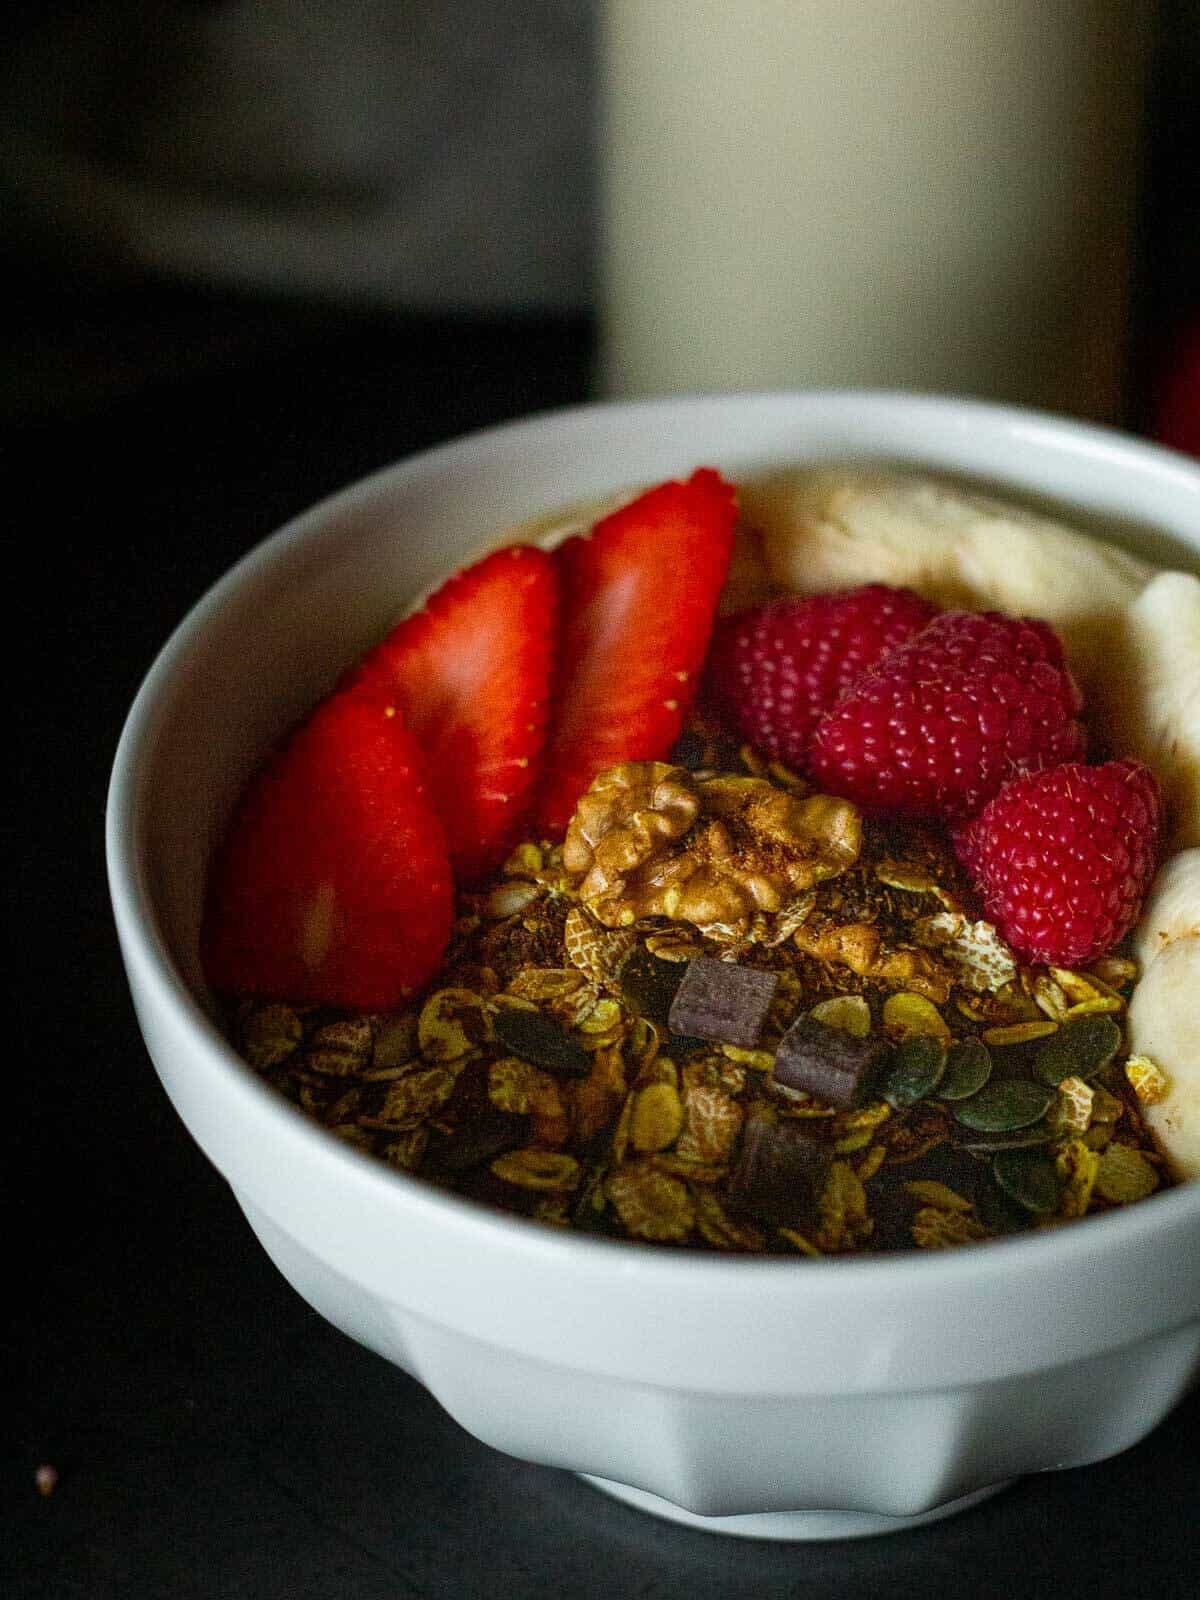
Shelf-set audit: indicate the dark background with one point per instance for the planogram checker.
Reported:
(212, 1437)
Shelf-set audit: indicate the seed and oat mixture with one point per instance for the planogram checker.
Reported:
(902, 1079)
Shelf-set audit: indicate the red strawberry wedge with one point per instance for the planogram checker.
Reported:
(470, 674)
(333, 884)
(638, 597)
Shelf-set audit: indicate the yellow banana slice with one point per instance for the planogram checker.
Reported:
(1162, 1025)
(1147, 702)
(1172, 909)
(826, 528)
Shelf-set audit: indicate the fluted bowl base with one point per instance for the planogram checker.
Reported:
(793, 1525)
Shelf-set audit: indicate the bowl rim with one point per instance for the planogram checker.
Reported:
(148, 958)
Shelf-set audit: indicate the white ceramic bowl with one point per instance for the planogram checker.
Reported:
(792, 1399)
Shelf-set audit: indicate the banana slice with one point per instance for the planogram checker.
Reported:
(1147, 703)
(552, 527)
(1162, 1025)
(830, 529)
(1172, 909)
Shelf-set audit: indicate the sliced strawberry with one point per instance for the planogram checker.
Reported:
(470, 674)
(333, 884)
(638, 596)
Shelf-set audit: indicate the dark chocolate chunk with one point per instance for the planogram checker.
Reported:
(722, 1001)
(824, 1061)
(649, 984)
(538, 1038)
(779, 1172)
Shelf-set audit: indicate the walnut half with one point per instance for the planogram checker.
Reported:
(650, 840)
(630, 815)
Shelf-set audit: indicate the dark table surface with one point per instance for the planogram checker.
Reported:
(210, 1434)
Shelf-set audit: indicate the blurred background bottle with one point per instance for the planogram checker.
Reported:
(997, 196)
(938, 194)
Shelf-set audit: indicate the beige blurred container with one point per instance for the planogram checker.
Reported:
(937, 194)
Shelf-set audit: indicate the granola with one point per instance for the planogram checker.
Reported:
(541, 1074)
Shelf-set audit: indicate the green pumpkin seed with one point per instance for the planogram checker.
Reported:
(968, 1068)
(987, 1144)
(1001, 1107)
(999, 1212)
(1082, 1047)
(1030, 1177)
(537, 1038)
(914, 1071)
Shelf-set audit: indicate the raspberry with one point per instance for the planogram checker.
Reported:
(775, 670)
(1062, 859)
(940, 723)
